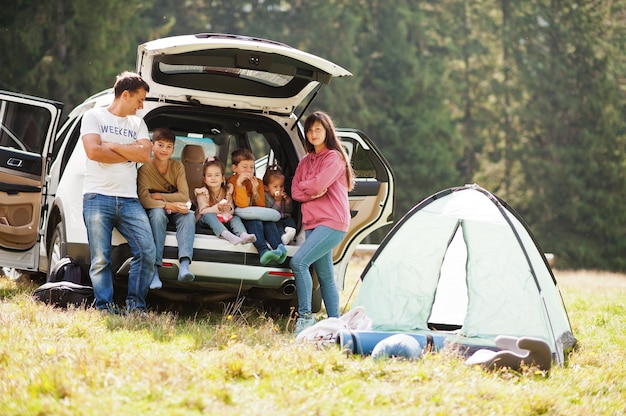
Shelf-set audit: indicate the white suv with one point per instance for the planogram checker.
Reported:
(217, 93)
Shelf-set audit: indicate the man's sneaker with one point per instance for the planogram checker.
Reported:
(110, 310)
(290, 233)
(134, 312)
(302, 324)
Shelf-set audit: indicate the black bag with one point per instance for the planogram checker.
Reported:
(64, 294)
(64, 287)
(66, 270)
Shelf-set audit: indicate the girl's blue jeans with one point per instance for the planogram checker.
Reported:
(316, 251)
(210, 220)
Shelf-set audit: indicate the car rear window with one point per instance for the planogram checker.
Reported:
(236, 72)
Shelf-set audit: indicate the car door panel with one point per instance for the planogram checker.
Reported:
(19, 204)
(365, 188)
(371, 200)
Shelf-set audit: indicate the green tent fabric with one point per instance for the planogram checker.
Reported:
(463, 259)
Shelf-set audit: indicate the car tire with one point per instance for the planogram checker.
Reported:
(57, 248)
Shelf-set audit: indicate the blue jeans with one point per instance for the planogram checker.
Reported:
(317, 251)
(210, 220)
(265, 232)
(102, 213)
(185, 232)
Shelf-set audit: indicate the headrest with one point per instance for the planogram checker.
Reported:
(192, 153)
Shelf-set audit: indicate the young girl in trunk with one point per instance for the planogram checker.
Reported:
(215, 204)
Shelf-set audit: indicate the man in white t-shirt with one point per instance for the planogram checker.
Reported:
(115, 140)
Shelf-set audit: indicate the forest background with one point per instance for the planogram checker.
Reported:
(526, 98)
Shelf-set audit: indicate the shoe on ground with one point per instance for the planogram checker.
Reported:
(109, 311)
(290, 233)
(134, 312)
(302, 324)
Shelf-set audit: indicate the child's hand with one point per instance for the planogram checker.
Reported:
(242, 177)
(223, 206)
(181, 207)
(254, 181)
(321, 194)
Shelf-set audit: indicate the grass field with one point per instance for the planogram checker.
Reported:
(239, 361)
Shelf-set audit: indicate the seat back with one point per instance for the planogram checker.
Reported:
(192, 157)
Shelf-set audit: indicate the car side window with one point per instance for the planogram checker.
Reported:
(71, 138)
(360, 159)
(182, 139)
(257, 142)
(261, 149)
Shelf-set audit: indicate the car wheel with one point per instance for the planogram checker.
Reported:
(57, 248)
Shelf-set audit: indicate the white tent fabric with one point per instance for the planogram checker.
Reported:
(461, 257)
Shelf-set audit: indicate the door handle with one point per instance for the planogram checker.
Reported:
(15, 163)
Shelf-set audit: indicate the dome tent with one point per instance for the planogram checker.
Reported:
(463, 265)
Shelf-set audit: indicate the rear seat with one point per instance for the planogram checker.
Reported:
(192, 157)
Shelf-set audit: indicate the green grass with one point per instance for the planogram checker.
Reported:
(241, 361)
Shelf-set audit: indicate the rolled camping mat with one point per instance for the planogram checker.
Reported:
(363, 342)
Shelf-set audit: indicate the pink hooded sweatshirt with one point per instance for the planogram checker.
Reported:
(316, 172)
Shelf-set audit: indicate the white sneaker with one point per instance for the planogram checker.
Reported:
(290, 233)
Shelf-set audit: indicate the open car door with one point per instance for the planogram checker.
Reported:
(27, 129)
(232, 71)
(373, 197)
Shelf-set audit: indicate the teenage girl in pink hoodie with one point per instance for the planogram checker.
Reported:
(321, 183)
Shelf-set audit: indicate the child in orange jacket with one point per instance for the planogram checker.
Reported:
(248, 191)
